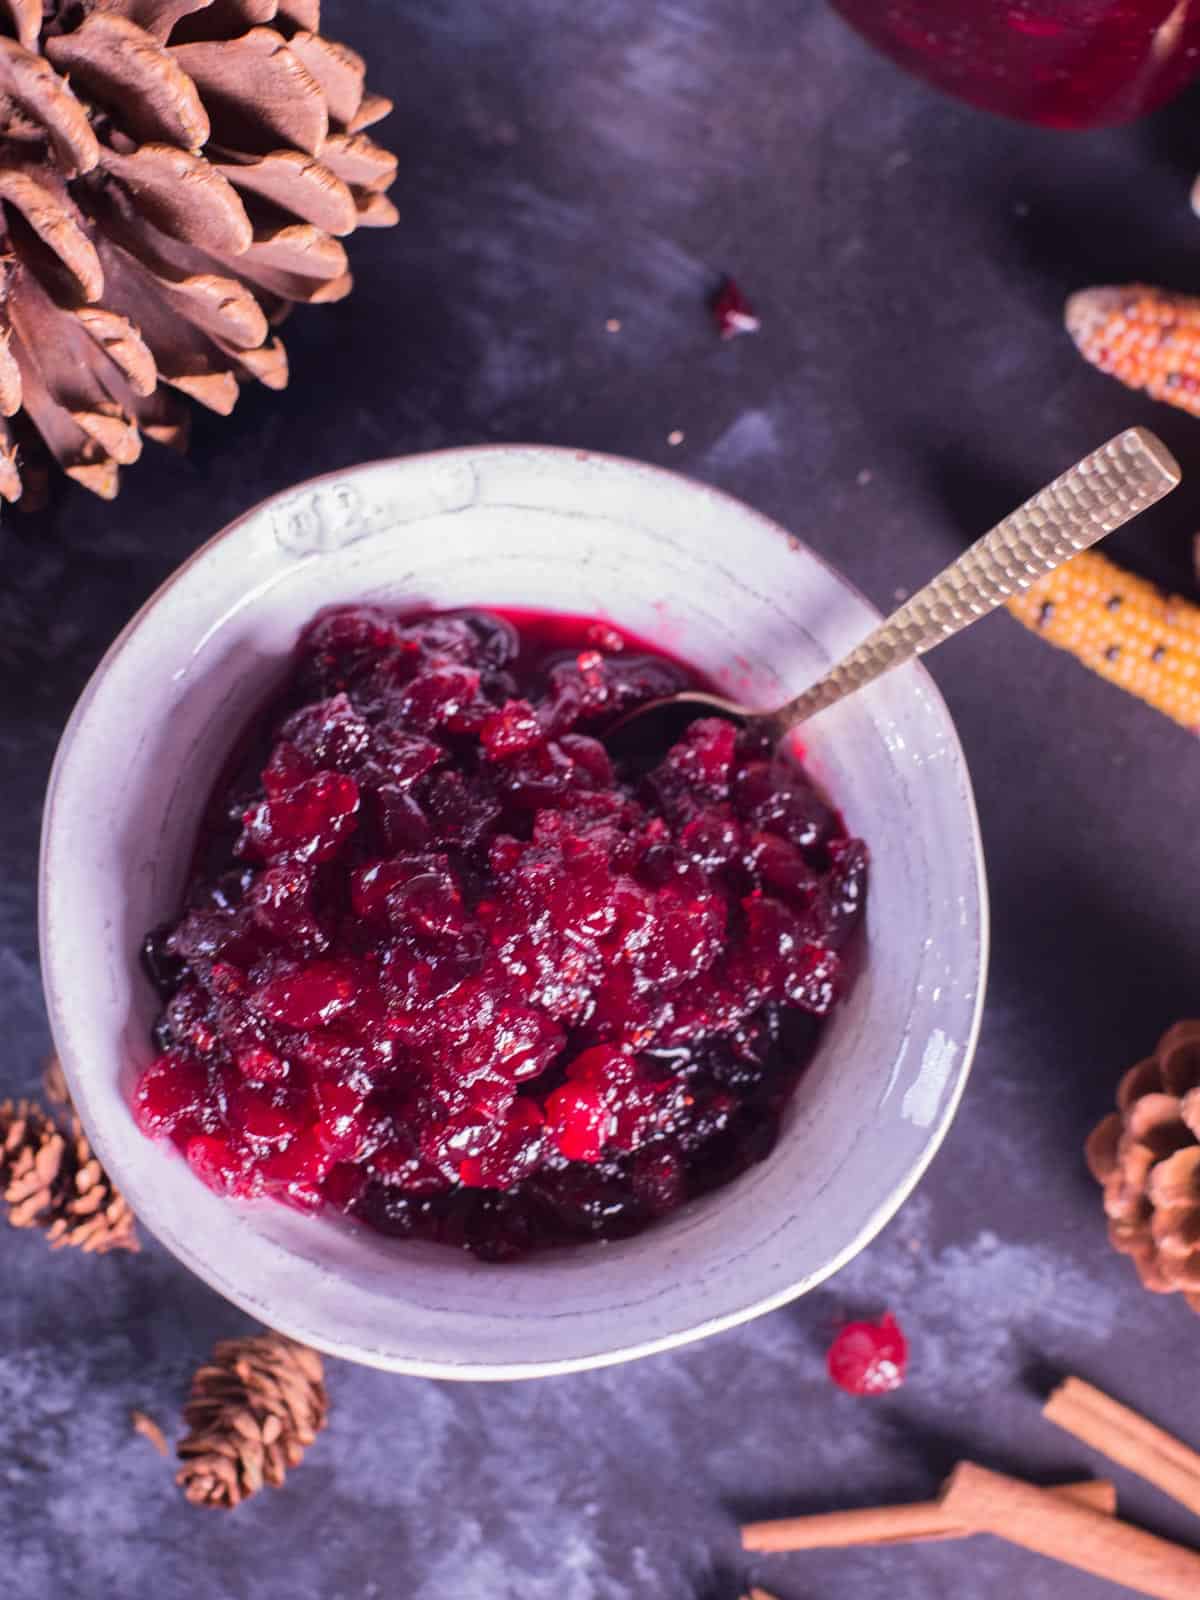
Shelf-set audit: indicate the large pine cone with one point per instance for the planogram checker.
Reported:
(1147, 1156)
(173, 174)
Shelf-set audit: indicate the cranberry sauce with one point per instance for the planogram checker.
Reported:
(442, 967)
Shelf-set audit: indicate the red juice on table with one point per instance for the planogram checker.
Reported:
(1062, 63)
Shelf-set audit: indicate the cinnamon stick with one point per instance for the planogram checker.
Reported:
(923, 1522)
(1128, 1439)
(989, 1502)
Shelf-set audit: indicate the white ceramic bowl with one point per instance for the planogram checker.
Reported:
(677, 563)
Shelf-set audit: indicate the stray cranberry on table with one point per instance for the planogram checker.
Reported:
(869, 1357)
(733, 313)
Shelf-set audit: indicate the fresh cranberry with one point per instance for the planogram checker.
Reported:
(460, 976)
(869, 1357)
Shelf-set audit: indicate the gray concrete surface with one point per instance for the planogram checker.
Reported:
(563, 166)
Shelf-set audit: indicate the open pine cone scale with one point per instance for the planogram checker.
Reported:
(1147, 1158)
(174, 175)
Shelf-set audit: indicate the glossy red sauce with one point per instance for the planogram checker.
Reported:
(444, 967)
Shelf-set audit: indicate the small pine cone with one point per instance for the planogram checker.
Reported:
(174, 175)
(1146, 1155)
(51, 1180)
(251, 1414)
(1148, 338)
(1123, 628)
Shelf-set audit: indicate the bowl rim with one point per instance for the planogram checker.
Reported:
(980, 935)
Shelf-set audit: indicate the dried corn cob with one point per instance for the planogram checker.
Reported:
(1123, 628)
(1148, 338)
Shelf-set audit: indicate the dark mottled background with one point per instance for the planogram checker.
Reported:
(563, 165)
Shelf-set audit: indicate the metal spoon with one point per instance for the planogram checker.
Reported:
(1097, 495)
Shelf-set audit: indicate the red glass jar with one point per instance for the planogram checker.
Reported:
(1062, 63)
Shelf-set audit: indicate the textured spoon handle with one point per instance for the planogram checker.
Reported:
(1098, 494)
